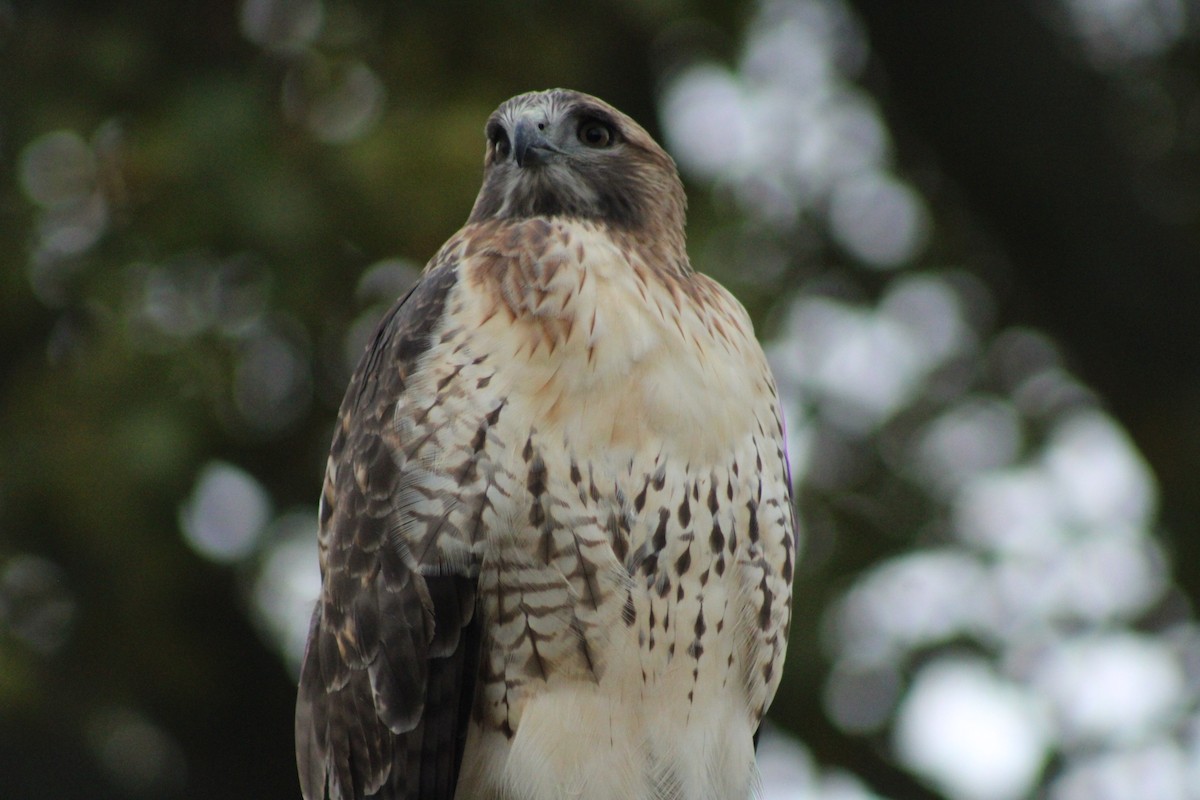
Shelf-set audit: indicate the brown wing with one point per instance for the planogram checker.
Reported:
(387, 681)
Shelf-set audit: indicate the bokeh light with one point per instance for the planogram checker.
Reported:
(789, 772)
(36, 605)
(338, 102)
(287, 584)
(135, 753)
(1004, 651)
(226, 514)
(973, 733)
(73, 183)
(282, 24)
(1116, 31)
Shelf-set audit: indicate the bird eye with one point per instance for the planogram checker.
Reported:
(595, 133)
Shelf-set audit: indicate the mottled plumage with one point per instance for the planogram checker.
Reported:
(556, 531)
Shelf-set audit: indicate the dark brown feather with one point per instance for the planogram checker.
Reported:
(388, 674)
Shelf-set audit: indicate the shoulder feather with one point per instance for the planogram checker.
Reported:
(387, 680)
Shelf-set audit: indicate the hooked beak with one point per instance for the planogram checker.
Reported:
(530, 147)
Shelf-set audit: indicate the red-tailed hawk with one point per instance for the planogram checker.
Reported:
(556, 531)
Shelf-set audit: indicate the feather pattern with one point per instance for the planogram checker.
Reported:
(557, 534)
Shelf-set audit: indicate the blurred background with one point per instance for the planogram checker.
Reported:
(969, 234)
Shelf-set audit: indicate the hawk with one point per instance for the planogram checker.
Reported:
(556, 531)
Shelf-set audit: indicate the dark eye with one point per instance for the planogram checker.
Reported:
(499, 140)
(594, 133)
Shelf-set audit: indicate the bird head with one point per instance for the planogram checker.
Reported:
(565, 153)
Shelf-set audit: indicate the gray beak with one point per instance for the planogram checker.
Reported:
(530, 147)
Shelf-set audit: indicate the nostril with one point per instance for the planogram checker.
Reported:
(541, 126)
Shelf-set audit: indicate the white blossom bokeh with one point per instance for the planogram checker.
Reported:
(1005, 655)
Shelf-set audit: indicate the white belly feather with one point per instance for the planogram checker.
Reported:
(666, 412)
